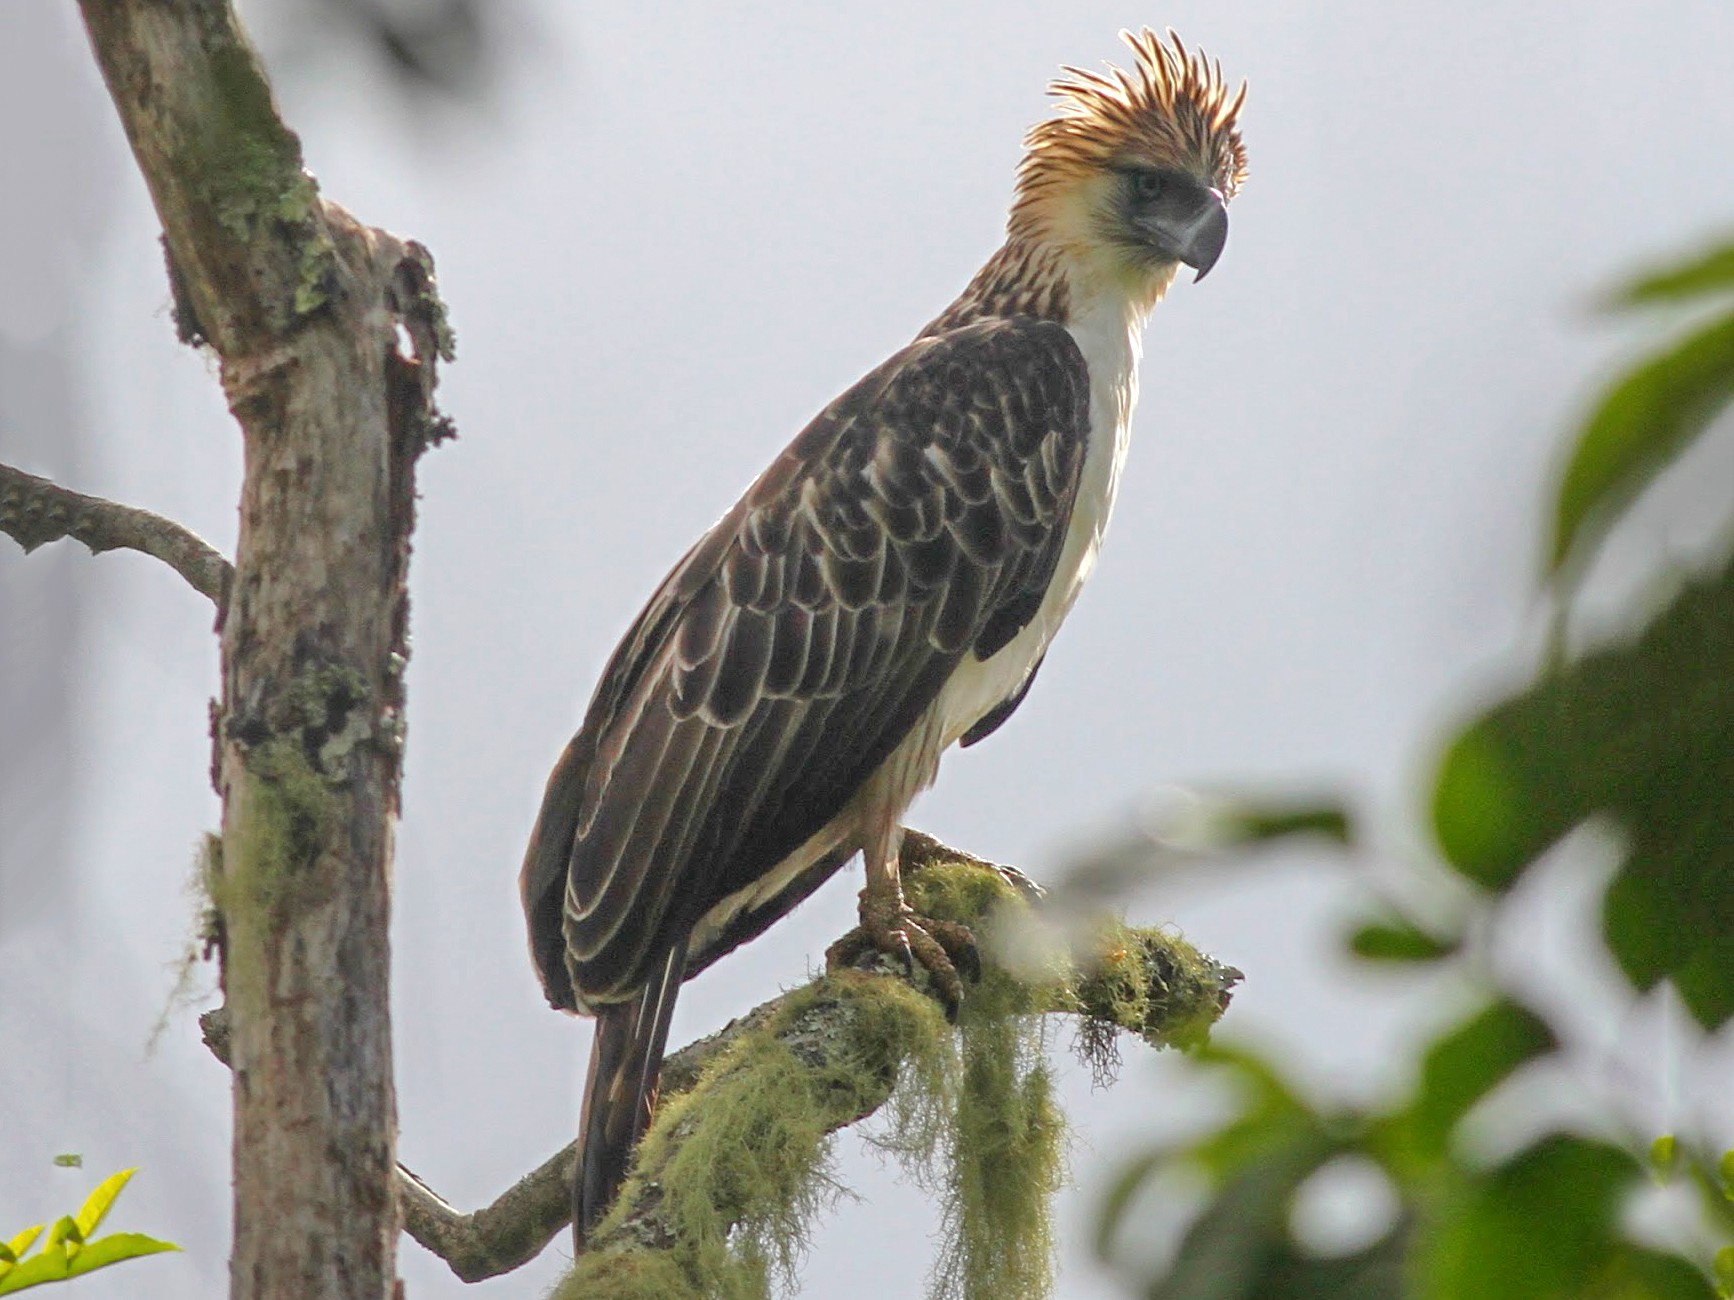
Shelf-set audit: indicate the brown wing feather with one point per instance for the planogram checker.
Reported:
(916, 520)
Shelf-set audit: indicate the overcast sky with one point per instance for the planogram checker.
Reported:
(671, 238)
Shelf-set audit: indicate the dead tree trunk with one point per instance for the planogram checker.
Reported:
(311, 315)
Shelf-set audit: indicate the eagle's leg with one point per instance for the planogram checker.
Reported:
(889, 925)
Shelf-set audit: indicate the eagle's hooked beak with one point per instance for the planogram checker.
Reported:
(1190, 224)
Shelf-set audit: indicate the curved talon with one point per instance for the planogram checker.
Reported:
(959, 944)
(890, 926)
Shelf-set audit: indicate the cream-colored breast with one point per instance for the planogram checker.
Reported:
(1109, 340)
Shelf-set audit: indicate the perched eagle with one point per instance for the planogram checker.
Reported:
(886, 589)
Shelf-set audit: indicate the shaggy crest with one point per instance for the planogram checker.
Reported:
(1173, 109)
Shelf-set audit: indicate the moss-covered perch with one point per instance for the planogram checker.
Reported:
(736, 1162)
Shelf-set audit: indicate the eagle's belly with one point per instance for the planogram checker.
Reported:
(1109, 343)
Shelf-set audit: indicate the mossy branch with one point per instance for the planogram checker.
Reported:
(34, 511)
(730, 1153)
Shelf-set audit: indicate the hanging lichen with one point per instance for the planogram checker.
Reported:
(995, 1138)
(737, 1168)
(734, 1169)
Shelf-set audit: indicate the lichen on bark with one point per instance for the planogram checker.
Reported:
(736, 1164)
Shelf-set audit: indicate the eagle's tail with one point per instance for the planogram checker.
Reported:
(625, 1062)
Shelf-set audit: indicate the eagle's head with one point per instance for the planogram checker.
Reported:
(1133, 175)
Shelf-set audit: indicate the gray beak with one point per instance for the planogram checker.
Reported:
(1190, 225)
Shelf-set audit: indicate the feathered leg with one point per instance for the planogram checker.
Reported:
(625, 1063)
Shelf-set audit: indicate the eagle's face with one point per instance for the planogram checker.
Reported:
(1156, 216)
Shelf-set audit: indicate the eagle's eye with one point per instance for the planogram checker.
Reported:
(1147, 185)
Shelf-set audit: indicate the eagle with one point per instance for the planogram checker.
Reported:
(886, 589)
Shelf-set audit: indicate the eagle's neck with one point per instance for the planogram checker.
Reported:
(1055, 280)
(1024, 278)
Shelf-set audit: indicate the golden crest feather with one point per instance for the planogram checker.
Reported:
(1173, 109)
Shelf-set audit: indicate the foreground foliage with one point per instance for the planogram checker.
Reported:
(1635, 736)
(70, 1250)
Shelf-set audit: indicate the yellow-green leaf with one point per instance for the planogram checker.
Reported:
(116, 1247)
(23, 1242)
(47, 1265)
(98, 1203)
(65, 1230)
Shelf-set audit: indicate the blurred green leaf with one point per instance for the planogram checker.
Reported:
(1643, 1274)
(69, 1160)
(1725, 1272)
(1487, 824)
(1272, 1116)
(1638, 732)
(1644, 422)
(1255, 823)
(1706, 273)
(1240, 1248)
(1395, 939)
(1539, 1227)
(1665, 1156)
(1127, 1183)
(1466, 1064)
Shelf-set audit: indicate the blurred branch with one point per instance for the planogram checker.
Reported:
(34, 511)
(1151, 984)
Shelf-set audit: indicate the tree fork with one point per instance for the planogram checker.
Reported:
(306, 309)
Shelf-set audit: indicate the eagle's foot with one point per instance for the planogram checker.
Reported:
(889, 925)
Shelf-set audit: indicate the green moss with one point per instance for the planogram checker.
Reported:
(207, 879)
(281, 819)
(316, 272)
(732, 1172)
(252, 162)
(1146, 982)
(964, 891)
(251, 172)
(739, 1165)
(627, 1275)
(990, 1139)
(329, 706)
(282, 803)
(1006, 1147)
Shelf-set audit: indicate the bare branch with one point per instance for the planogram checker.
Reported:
(34, 511)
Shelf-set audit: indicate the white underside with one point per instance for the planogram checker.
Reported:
(1109, 339)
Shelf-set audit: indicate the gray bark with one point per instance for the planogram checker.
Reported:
(302, 305)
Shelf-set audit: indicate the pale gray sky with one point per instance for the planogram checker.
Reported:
(676, 236)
